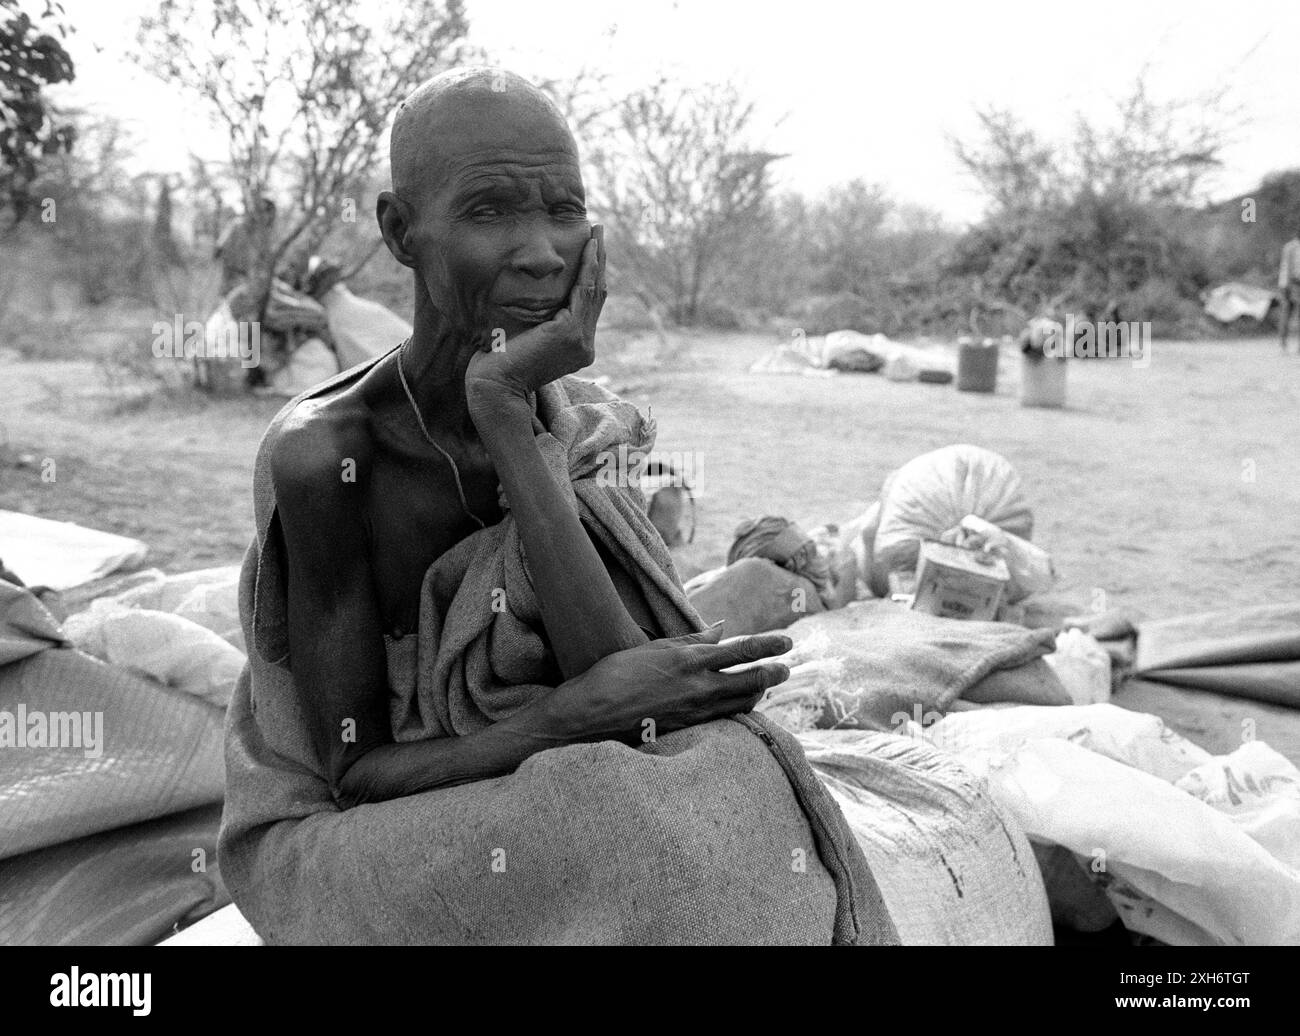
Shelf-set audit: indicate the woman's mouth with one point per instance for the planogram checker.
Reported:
(530, 311)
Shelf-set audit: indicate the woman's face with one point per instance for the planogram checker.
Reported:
(499, 240)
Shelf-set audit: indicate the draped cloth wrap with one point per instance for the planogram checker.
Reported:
(720, 833)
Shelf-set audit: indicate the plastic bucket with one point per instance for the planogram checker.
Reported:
(1042, 380)
(977, 368)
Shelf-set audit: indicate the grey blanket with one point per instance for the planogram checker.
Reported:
(716, 834)
(875, 665)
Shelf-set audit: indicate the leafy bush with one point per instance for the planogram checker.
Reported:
(1171, 313)
(719, 315)
(822, 314)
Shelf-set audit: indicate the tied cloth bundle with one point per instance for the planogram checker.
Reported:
(785, 544)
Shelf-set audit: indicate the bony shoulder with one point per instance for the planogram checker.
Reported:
(320, 453)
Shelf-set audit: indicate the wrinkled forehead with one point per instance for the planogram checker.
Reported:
(507, 170)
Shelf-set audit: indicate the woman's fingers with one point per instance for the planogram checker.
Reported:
(745, 649)
(750, 685)
(598, 231)
(598, 300)
(588, 297)
(584, 285)
(710, 635)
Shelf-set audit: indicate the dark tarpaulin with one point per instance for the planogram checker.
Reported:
(1246, 653)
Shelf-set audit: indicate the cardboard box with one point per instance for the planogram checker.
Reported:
(958, 583)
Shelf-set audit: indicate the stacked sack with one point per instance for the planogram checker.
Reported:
(182, 631)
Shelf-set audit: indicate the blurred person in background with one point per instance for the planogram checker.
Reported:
(234, 249)
(1288, 285)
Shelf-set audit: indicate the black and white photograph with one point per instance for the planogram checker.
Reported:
(650, 474)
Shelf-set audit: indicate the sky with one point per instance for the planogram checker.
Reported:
(846, 88)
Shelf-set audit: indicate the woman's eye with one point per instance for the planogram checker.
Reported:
(486, 212)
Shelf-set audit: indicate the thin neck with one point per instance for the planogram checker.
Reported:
(435, 359)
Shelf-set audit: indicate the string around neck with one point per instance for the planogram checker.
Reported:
(419, 419)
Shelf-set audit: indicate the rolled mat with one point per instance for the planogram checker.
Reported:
(1246, 652)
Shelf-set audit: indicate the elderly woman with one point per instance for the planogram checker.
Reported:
(487, 211)
(457, 633)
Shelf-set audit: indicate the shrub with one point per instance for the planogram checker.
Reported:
(822, 314)
(1172, 314)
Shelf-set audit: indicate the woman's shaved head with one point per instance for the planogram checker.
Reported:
(467, 110)
(488, 205)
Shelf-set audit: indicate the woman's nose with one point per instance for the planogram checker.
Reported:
(537, 255)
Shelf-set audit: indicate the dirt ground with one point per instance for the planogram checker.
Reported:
(1167, 489)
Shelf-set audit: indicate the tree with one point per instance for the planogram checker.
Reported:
(585, 99)
(1086, 221)
(1012, 165)
(30, 129)
(304, 93)
(163, 240)
(1154, 152)
(101, 235)
(846, 228)
(681, 185)
(1243, 236)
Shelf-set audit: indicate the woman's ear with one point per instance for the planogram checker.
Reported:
(395, 217)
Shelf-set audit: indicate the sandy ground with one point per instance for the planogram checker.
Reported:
(1168, 489)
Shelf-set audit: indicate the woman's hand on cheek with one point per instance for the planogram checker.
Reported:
(562, 345)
